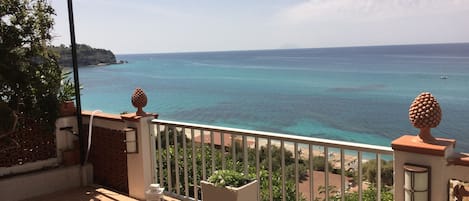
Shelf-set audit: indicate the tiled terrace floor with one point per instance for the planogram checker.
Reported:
(89, 193)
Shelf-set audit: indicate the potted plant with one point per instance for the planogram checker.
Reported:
(66, 95)
(229, 185)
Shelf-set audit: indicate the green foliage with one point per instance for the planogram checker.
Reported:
(370, 172)
(172, 134)
(6, 118)
(195, 173)
(369, 194)
(67, 88)
(222, 178)
(290, 188)
(86, 55)
(334, 194)
(320, 165)
(195, 153)
(29, 73)
(276, 153)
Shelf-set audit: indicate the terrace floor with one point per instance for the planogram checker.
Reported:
(88, 193)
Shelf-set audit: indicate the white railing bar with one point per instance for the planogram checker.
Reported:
(160, 159)
(269, 150)
(360, 185)
(202, 149)
(152, 137)
(176, 162)
(194, 165)
(257, 166)
(246, 134)
(378, 182)
(222, 138)
(326, 173)
(282, 158)
(297, 182)
(291, 138)
(311, 172)
(212, 144)
(168, 160)
(342, 174)
(186, 176)
(245, 154)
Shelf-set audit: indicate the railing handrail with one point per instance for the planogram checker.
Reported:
(279, 136)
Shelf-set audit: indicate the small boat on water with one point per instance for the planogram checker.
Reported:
(444, 77)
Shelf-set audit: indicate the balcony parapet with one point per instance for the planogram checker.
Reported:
(409, 143)
(436, 156)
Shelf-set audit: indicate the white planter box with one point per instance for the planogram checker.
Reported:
(248, 192)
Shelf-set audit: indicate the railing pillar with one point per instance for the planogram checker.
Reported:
(410, 150)
(423, 164)
(138, 164)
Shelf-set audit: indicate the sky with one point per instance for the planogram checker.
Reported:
(157, 26)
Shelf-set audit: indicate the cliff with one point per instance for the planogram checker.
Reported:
(86, 55)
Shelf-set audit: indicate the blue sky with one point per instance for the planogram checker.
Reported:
(153, 26)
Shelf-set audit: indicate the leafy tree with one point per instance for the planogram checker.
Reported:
(29, 74)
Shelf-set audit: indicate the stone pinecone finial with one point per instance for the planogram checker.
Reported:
(139, 100)
(425, 113)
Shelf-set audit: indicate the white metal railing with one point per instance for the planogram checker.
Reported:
(187, 153)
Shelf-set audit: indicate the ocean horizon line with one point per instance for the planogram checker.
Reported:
(299, 48)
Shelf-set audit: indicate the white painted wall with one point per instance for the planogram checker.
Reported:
(441, 173)
(139, 165)
(45, 182)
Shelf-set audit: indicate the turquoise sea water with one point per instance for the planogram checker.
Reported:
(359, 94)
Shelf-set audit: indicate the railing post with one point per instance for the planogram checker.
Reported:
(409, 151)
(421, 161)
(139, 165)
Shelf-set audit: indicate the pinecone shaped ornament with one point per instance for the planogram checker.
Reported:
(425, 113)
(139, 100)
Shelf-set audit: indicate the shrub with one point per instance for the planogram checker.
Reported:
(230, 164)
(370, 172)
(222, 178)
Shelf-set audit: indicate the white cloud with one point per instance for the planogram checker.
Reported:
(364, 10)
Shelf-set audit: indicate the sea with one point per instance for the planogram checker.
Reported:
(355, 94)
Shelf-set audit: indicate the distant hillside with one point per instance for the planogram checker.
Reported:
(86, 56)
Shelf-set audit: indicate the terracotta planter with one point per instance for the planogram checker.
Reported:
(248, 192)
(67, 108)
